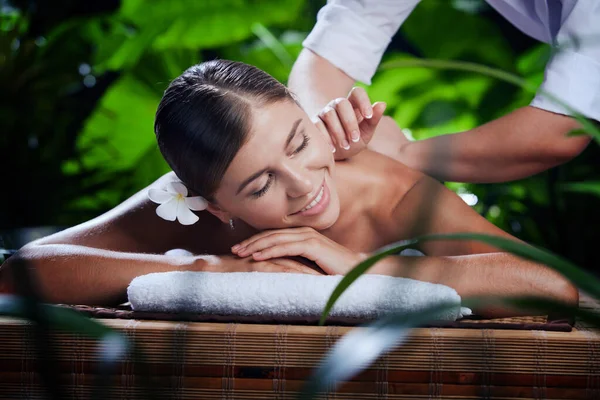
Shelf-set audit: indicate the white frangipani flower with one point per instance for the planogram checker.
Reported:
(174, 203)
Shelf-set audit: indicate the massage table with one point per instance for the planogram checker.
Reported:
(511, 358)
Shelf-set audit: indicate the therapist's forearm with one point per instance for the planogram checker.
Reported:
(316, 82)
(520, 144)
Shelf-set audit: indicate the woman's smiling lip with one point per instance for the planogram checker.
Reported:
(320, 206)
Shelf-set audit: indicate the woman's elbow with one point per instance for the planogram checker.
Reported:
(25, 257)
(567, 293)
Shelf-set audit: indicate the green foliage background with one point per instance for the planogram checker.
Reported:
(80, 82)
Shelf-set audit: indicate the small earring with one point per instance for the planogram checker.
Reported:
(231, 225)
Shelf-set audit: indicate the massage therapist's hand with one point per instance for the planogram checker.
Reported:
(350, 122)
(332, 257)
(248, 264)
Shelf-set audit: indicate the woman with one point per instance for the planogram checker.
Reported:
(235, 136)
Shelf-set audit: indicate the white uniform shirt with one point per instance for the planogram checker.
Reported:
(354, 34)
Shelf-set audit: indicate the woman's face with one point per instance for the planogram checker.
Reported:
(282, 176)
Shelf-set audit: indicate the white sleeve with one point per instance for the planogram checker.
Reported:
(354, 34)
(573, 73)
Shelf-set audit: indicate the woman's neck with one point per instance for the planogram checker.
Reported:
(359, 188)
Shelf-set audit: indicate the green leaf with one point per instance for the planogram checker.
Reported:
(588, 125)
(360, 269)
(414, 96)
(582, 279)
(577, 132)
(582, 187)
(386, 84)
(273, 44)
(362, 346)
(112, 345)
(124, 119)
(57, 317)
(121, 48)
(141, 26)
(534, 60)
(269, 56)
(462, 35)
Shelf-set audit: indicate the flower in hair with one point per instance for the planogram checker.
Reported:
(174, 203)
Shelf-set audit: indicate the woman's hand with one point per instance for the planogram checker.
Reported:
(248, 264)
(350, 122)
(332, 257)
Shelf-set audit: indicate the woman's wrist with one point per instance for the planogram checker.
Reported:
(206, 263)
(398, 266)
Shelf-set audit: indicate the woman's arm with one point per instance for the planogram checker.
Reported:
(93, 263)
(471, 268)
(72, 274)
(491, 274)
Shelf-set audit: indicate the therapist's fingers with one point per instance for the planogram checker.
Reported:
(329, 116)
(359, 99)
(347, 117)
(368, 126)
(323, 129)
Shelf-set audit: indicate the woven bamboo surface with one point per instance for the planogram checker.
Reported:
(260, 361)
(522, 323)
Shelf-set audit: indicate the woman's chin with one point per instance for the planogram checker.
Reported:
(326, 220)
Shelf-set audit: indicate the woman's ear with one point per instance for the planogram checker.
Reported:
(224, 216)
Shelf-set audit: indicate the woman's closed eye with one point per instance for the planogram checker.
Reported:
(264, 189)
(300, 148)
(303, 145)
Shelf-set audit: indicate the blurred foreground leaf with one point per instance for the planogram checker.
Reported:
(361, 346)
(582, 187)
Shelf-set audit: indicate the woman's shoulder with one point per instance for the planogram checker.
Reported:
(390, 177)
(383, 183)
(134, 226)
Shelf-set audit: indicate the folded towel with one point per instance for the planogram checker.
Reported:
(286, 296)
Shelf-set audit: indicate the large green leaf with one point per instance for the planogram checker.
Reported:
(124, 120)
(176, 24)
(268, 52)
(582, 279)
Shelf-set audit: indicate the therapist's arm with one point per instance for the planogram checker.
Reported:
(345, 45)
(315, 81)
(525, 142)
(531, 139)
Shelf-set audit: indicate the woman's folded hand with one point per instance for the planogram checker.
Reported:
(350, 122)
(248, 264)
(331, 257)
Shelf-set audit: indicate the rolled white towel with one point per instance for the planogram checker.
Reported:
(285, 295)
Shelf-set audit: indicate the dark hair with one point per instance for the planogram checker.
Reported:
(204, 116)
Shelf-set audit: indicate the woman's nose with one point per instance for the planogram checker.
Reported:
(300, 184)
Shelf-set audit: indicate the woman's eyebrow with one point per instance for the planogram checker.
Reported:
(262, 171)
(250, 179)
(292, 133)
